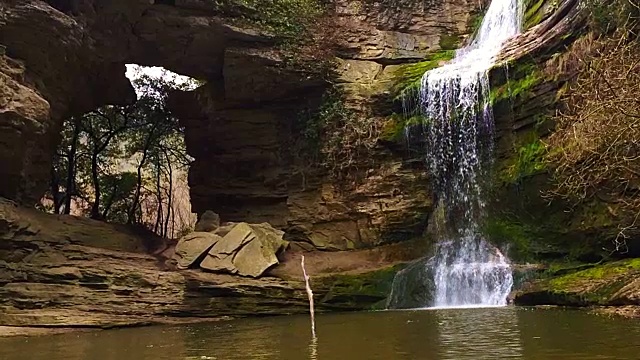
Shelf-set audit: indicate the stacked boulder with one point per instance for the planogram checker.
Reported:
(233, 248)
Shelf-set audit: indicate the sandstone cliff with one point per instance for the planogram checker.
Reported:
(65, 271)
(243, 128)
(239, 126)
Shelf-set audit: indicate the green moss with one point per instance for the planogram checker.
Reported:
(598, 283)
(407, 77)
(566, 267)
(529, 160)
(449, 42)
(474, 22)
(533, 14)
(358, 291)
(395, 128)
(514, 237)
(517, 86)
(538, 10)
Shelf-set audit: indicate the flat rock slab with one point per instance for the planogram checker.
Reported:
(192, 247)
(247, 250)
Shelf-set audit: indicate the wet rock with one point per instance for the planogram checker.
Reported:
(413, 287)
(193, 247)
(247, 250)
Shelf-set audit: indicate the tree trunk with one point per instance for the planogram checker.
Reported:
(157, 228)
(136, 197)
(109, 203)
(95, 209)
(169, 195)
(71, 168)
(55, 188)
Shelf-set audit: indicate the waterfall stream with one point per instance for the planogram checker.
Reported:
(458, 130)
(454, 99)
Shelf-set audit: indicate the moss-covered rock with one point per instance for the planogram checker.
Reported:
(358, 291)
(413, 286)
(613, 283)
(538, 10)
(449, 42)
(520, 82)
(395, 128)
(407, 77)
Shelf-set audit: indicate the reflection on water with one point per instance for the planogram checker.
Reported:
(463, 333)
(489, 333)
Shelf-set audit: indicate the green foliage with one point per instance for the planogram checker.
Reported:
(118, 188)
(313, 125)
(288, 18)
(110, 159)
(407, 77)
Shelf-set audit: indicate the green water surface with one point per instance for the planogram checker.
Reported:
(491, 333)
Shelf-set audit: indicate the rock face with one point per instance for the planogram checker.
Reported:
(60, 58)
(262, 179)
(250, 92)
(414, 286)
(611, 284)
(58, 271)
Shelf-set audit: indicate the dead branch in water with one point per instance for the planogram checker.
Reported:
(310, 295)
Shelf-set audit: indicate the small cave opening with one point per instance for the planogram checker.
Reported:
(127, 164)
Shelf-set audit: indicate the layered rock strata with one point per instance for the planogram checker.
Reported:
(73, 60)
(65, 271)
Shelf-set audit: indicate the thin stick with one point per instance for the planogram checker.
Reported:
(310, 294)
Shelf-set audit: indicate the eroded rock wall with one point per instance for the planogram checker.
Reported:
(66, 271)
(66, 57)
(60, 58)
(242, 136)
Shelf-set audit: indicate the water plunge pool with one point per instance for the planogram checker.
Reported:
(480, 333)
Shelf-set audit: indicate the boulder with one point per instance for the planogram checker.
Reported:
(209, 221)
(192, 247)
(247, 250)
(224, 229)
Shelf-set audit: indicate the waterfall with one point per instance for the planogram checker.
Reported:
(458, 131)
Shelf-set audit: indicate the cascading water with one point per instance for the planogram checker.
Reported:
(458, 128)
